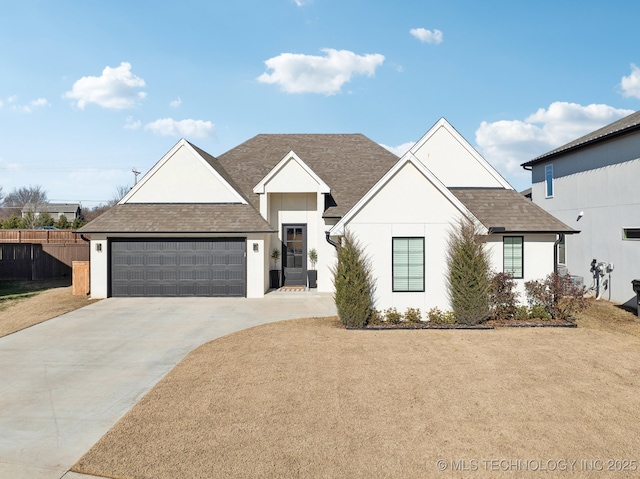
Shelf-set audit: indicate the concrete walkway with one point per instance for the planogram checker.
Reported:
(65, 382)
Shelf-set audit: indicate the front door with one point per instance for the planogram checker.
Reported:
(294, 254)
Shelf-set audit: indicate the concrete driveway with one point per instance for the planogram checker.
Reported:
(65, 382)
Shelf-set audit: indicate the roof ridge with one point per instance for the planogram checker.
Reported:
(618, 127)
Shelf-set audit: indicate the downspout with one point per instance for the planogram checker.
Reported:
(84, 238)
(555, 252)
(330, 241)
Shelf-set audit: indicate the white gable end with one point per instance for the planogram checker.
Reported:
(291, 175)
(454, 161)
(183, 176)
(407, 198)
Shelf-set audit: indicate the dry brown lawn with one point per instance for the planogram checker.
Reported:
(18, 314)
(308, 399)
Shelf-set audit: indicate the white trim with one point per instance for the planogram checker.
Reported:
(322, 186)
(443, 123)
(181, 143)
(408, 157)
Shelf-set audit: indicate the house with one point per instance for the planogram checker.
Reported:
(70, 210)
(591, 183)
(199, 225)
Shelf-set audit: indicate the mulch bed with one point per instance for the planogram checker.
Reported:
(491, 324)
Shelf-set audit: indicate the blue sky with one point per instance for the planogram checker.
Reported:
(90, 90)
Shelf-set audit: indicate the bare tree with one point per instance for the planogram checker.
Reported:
(19, 197)
(118, 194)
(31, 197)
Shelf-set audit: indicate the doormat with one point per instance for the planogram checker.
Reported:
(293, 288)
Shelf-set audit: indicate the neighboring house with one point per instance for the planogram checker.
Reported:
(199, 225)
(70, 210)
(592, 184)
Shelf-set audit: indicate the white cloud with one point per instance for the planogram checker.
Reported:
(182, 128)
(302, 3)
(631, 85)
(297, 73)
(434, 37)
(29, 107)
(400, 149)
(117, 89)
(32, 105)
(175, 103)
(506, 144)
(132, 124)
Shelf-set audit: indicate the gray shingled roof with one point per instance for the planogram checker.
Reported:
(178, 218)
(508, 209)
(349, 163)
(620, 127)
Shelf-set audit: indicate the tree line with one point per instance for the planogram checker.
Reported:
(12, 205)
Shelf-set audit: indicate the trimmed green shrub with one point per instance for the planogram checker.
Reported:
(353, 283)
(522, 313)
(413, 315)
(392, 316)
(436, 316)
(376, 317)
(538, 312)
(468, 267)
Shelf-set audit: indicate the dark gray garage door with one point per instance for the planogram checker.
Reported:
(149, 267)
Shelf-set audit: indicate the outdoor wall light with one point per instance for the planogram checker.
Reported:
(580, 215)
(255, 247)
(98, 247)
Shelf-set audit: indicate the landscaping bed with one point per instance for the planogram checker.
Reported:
(491, 324)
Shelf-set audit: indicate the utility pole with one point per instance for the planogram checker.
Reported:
(135, 176)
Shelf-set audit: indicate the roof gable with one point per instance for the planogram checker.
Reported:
(291, 175)
(183, 175)
(394, 174)
(454, 161)
(349, 164)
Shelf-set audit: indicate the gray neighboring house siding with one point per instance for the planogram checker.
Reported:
(597, 175)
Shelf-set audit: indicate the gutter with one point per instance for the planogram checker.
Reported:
(330, 241)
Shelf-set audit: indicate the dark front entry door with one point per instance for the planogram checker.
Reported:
(294, 243)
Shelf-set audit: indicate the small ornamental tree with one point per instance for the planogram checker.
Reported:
(11, 223)
(44, 219)
(468, 267)
(78, 223)
(62, 223)
(353, 283)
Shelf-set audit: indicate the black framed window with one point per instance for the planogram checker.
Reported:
(513, 254)
(408, 264)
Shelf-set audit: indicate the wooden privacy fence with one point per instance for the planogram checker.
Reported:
(33, 261)
(40, 236)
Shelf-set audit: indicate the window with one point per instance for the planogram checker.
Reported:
(631, 233)
(408, 264)
(513, 249)
(548, 180)
(562, 248)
